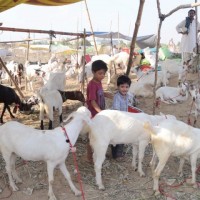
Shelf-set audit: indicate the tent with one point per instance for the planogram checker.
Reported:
(141, 41)
(7, 4)
(146, 41)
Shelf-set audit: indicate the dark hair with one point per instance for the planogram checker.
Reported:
(192, 10)
(123, 79)
(98, 65)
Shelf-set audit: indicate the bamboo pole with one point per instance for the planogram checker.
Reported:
(28, 47)
(18, 89)
(95, 45)
(196, 10)
(83, 59)
(137, 25)
(118, 32)
(41, 31)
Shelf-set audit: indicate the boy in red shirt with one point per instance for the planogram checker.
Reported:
(95, 94)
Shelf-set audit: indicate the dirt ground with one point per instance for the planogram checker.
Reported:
(121, 181)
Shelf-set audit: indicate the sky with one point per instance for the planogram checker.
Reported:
(106, 15)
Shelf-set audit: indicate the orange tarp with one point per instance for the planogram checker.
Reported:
(7, 4)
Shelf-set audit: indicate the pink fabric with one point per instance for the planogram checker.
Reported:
(95, 92)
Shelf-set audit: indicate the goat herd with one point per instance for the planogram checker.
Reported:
(168, 135)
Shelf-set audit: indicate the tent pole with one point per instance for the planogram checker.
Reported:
(95, 45)
(118, 31)
(133, 41)
(28, 47)
(27, 57)
(83, 60)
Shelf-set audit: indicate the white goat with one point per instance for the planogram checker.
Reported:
(88, 70)
(31, 73)
(48, 101)
(173, 137)
(121, 59)
(49, 146)
(183, 70)
(171, 94)
(55, 81)
(116, 130)
(149, 77)
(141, 89)
(196, 100)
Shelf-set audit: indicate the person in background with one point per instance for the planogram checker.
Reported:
(115, 50)
(121, 101)
(95, 94)
(188, 30)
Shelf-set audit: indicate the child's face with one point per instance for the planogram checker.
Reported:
(123, 89)
(99, 75)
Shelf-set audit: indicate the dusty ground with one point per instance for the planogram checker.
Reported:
(121, 181)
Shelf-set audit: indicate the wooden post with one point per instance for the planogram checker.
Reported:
(3, 65)
(118, 32)
(95, 45)
(84, 51)
(28, 47)
(137, 25)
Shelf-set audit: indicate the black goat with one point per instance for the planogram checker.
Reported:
(72, 95)
(8, 96)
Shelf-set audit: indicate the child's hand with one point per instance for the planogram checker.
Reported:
(108, 95)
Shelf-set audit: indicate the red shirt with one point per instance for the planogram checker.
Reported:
(95, 92)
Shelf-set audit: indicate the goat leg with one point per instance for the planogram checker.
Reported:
(41, 125)
(66, 174)
(50, 169)
(8, 108)
(61, 120)
(50, 125)
(4, 109)
(7, 157)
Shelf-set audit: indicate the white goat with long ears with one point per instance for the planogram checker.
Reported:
(173, 138)
(49, 146)
(116, 130)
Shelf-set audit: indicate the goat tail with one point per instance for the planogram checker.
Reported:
(149, 128)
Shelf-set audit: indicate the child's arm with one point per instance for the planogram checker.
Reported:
(95, 106)
(108, 95)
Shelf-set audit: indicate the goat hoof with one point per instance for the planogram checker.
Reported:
(77, 193)
(15, 188)
(52, 197)
(142, 174)
(157, 193)
(101, 187)
(18, 180)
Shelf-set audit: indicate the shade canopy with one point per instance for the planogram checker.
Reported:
(7, 4)
(141, 41)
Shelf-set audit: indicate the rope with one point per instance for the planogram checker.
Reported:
(9, 195)
(161, 190)
(73, 150)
